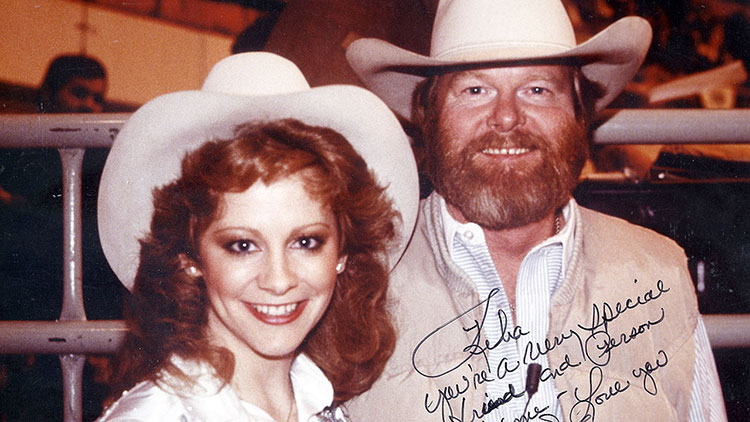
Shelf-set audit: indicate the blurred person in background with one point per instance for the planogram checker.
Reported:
(73, 84)
(31, 246)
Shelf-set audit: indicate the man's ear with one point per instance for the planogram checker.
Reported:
(578, 94)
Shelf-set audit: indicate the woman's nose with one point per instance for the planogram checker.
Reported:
(278, 277)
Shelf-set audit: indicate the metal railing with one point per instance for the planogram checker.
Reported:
(72, 336)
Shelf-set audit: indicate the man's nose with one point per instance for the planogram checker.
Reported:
(90, 105)
(505, 113)
(279, 276)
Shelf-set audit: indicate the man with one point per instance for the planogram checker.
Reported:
(505, 271)
(73, 84)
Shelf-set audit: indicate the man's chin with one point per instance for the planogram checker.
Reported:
(497, 207)
(508, 220)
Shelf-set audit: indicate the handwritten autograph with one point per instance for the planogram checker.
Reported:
(594, 341)
(585, 407)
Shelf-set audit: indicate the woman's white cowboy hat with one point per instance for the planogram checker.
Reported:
(486, 32)
(248, 87)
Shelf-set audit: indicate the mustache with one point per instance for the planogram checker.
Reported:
(518, 138)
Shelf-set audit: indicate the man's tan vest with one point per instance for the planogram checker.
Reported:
(634, 360)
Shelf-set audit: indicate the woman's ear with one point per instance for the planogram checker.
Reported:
(189, 265)
(341, 264)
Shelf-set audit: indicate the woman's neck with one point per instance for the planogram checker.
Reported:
(261, 380)
(265, 383)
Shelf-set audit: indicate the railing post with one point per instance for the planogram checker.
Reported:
(72, 305)
(72, 376)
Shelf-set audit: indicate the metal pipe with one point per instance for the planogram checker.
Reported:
(61, 337)
(60, 130)
(672, 126)
(613, 126)
(728, 330)
(106, 336)
(72, 305)
(72, 375)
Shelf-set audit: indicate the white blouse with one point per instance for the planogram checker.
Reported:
(209, 399)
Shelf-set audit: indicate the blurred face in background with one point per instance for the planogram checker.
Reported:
(81, 95)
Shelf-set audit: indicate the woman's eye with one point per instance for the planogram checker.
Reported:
(538, 90)
(241, 246)
(308, 242)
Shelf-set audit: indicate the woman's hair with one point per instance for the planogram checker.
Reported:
(168, 310)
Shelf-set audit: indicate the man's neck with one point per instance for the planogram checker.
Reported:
(516, 241)
(508, 247)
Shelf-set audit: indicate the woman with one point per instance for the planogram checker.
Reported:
(259, 265)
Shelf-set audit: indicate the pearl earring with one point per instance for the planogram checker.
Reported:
(339, 268)
(192, 271)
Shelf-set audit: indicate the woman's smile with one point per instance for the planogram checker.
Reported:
(277, 314)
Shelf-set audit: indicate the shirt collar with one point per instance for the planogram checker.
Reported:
(473, 234)
(313, 391)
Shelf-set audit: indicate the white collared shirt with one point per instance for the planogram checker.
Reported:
(541, 273)
(210, 399)
(312, 392)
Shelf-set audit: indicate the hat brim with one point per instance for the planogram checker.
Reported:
(609, 60)
(148, 151)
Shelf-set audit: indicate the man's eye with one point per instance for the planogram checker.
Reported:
(539, 90)
(80, 93)
(308, 242)
(475, 90)
(241, 246)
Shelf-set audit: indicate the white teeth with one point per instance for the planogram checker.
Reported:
(505, 151)
(273, 310)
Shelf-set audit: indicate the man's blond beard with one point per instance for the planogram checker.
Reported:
(501, 198)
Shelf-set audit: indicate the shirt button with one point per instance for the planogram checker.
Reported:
(468, 236)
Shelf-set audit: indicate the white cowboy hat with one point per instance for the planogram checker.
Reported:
(486, 32)
(248, 87)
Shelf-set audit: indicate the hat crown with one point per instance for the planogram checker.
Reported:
(500, 29)
(255, 74)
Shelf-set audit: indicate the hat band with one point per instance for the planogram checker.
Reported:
(502, 51)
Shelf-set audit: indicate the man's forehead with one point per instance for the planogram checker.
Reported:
(90, 83)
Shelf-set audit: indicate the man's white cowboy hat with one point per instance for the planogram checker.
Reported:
(248, 87)
(488, 32)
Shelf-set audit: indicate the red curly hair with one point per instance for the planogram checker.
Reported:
(167, 312)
